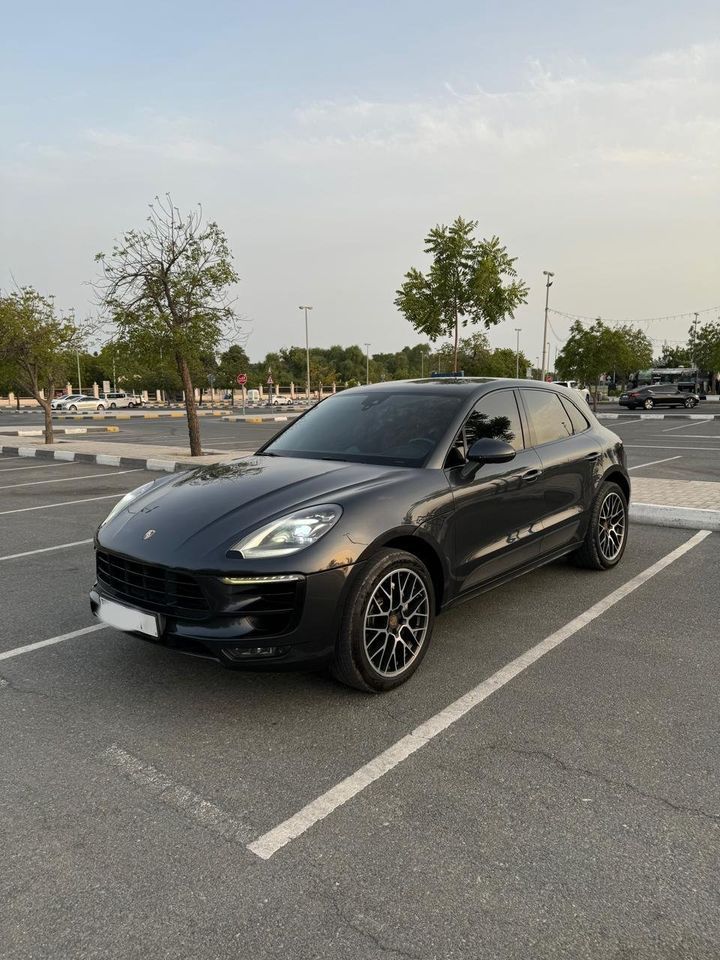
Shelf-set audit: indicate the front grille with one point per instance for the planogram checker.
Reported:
(156, 588)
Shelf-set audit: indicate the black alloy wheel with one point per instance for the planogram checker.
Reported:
(387, 623)
(607, 530)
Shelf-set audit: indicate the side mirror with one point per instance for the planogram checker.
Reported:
(490, 450)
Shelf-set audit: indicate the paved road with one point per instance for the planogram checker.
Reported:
(573, 813)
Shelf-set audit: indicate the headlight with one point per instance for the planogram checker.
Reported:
(126, 501)
(289, 534)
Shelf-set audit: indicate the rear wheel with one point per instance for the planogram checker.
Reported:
(690, 402)
(113, 406)
(100, 407)
(607, 531)
(72, 407)
(649, 403)
(387, 623)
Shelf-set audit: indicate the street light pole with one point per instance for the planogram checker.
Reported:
(695, 352)
(367, 364)
(517, 353)
(548, 283)
(307, 349)
(77, 354)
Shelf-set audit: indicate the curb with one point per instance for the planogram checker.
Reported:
(658, 416)
(685, 518)
(251, 418)
(39, 431)
(103, 459)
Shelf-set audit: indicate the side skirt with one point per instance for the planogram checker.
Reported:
(511, 575)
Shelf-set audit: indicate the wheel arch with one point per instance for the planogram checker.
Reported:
(618, 477)
(427, 555)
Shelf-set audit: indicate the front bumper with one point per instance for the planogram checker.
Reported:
(235, 631)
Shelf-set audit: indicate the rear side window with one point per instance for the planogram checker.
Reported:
(548, 417)
(579, 420)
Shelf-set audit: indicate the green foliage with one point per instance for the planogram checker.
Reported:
(704, 349)
(168, 286)
(232, 362)
(599, 349)
(36, 346)
(469, 281)
(672, 357)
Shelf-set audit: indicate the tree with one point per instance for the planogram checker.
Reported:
(632, 351)
(169, 283)
(673, 357)
(706, 348)
(36, 346)
(469, 281)
(588, 353)
(232, 362)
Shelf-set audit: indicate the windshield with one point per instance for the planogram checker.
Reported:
(401, 429)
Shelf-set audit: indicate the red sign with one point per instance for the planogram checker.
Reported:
(269, 381)
(241, 379)
(548, 379)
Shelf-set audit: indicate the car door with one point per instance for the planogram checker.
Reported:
(570, 455)
(498, 507)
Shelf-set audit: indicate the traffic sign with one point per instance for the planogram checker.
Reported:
(241, 379)
(548, 378)
(269, 381)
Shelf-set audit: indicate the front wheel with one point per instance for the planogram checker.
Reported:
(72, 408)
(607, 530)
(649, 404)
(387, 623)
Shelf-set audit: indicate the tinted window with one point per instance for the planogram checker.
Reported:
(496, 416)
(371, 427)
(547, 416)
(579, 420)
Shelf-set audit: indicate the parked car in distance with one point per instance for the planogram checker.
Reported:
(574, 385)
(120, 400)
(282, 400)
(659, 394)
(340, 540)
(84, 402)
(60, 403)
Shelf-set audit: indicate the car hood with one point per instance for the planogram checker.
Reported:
(203, 512)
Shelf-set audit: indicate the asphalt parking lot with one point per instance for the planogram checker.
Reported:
(560, 797)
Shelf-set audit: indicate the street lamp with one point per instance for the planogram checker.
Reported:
(367, 363)
(77, 354)
(695, 352)
(517, 353)
(307, 349)
(548, 284)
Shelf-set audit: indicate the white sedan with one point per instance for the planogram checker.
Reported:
(84, 402)
(59, 403)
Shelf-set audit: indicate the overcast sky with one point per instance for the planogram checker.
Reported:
(326, 138)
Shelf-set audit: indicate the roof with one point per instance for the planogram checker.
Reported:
(461, 385)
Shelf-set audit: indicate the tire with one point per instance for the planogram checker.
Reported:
(73, 408)
(361, 650)
(130, 406)
(594, 553)
(100, 407)
(649, 403)
(690, 403)
(112, 406)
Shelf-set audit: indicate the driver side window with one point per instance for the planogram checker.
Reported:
(495, 416)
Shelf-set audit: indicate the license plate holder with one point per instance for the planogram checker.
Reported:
(127, 619)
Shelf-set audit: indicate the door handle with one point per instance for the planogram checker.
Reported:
(593, 456)
(531, 475)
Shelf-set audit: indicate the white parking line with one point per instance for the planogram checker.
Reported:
(683, 426)
(272, 841)
(8, 654)
(653, 462)
(40, 466)
(63, 503)
(88, 476)
(176, 795)
(658, 446)
(59, 546)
